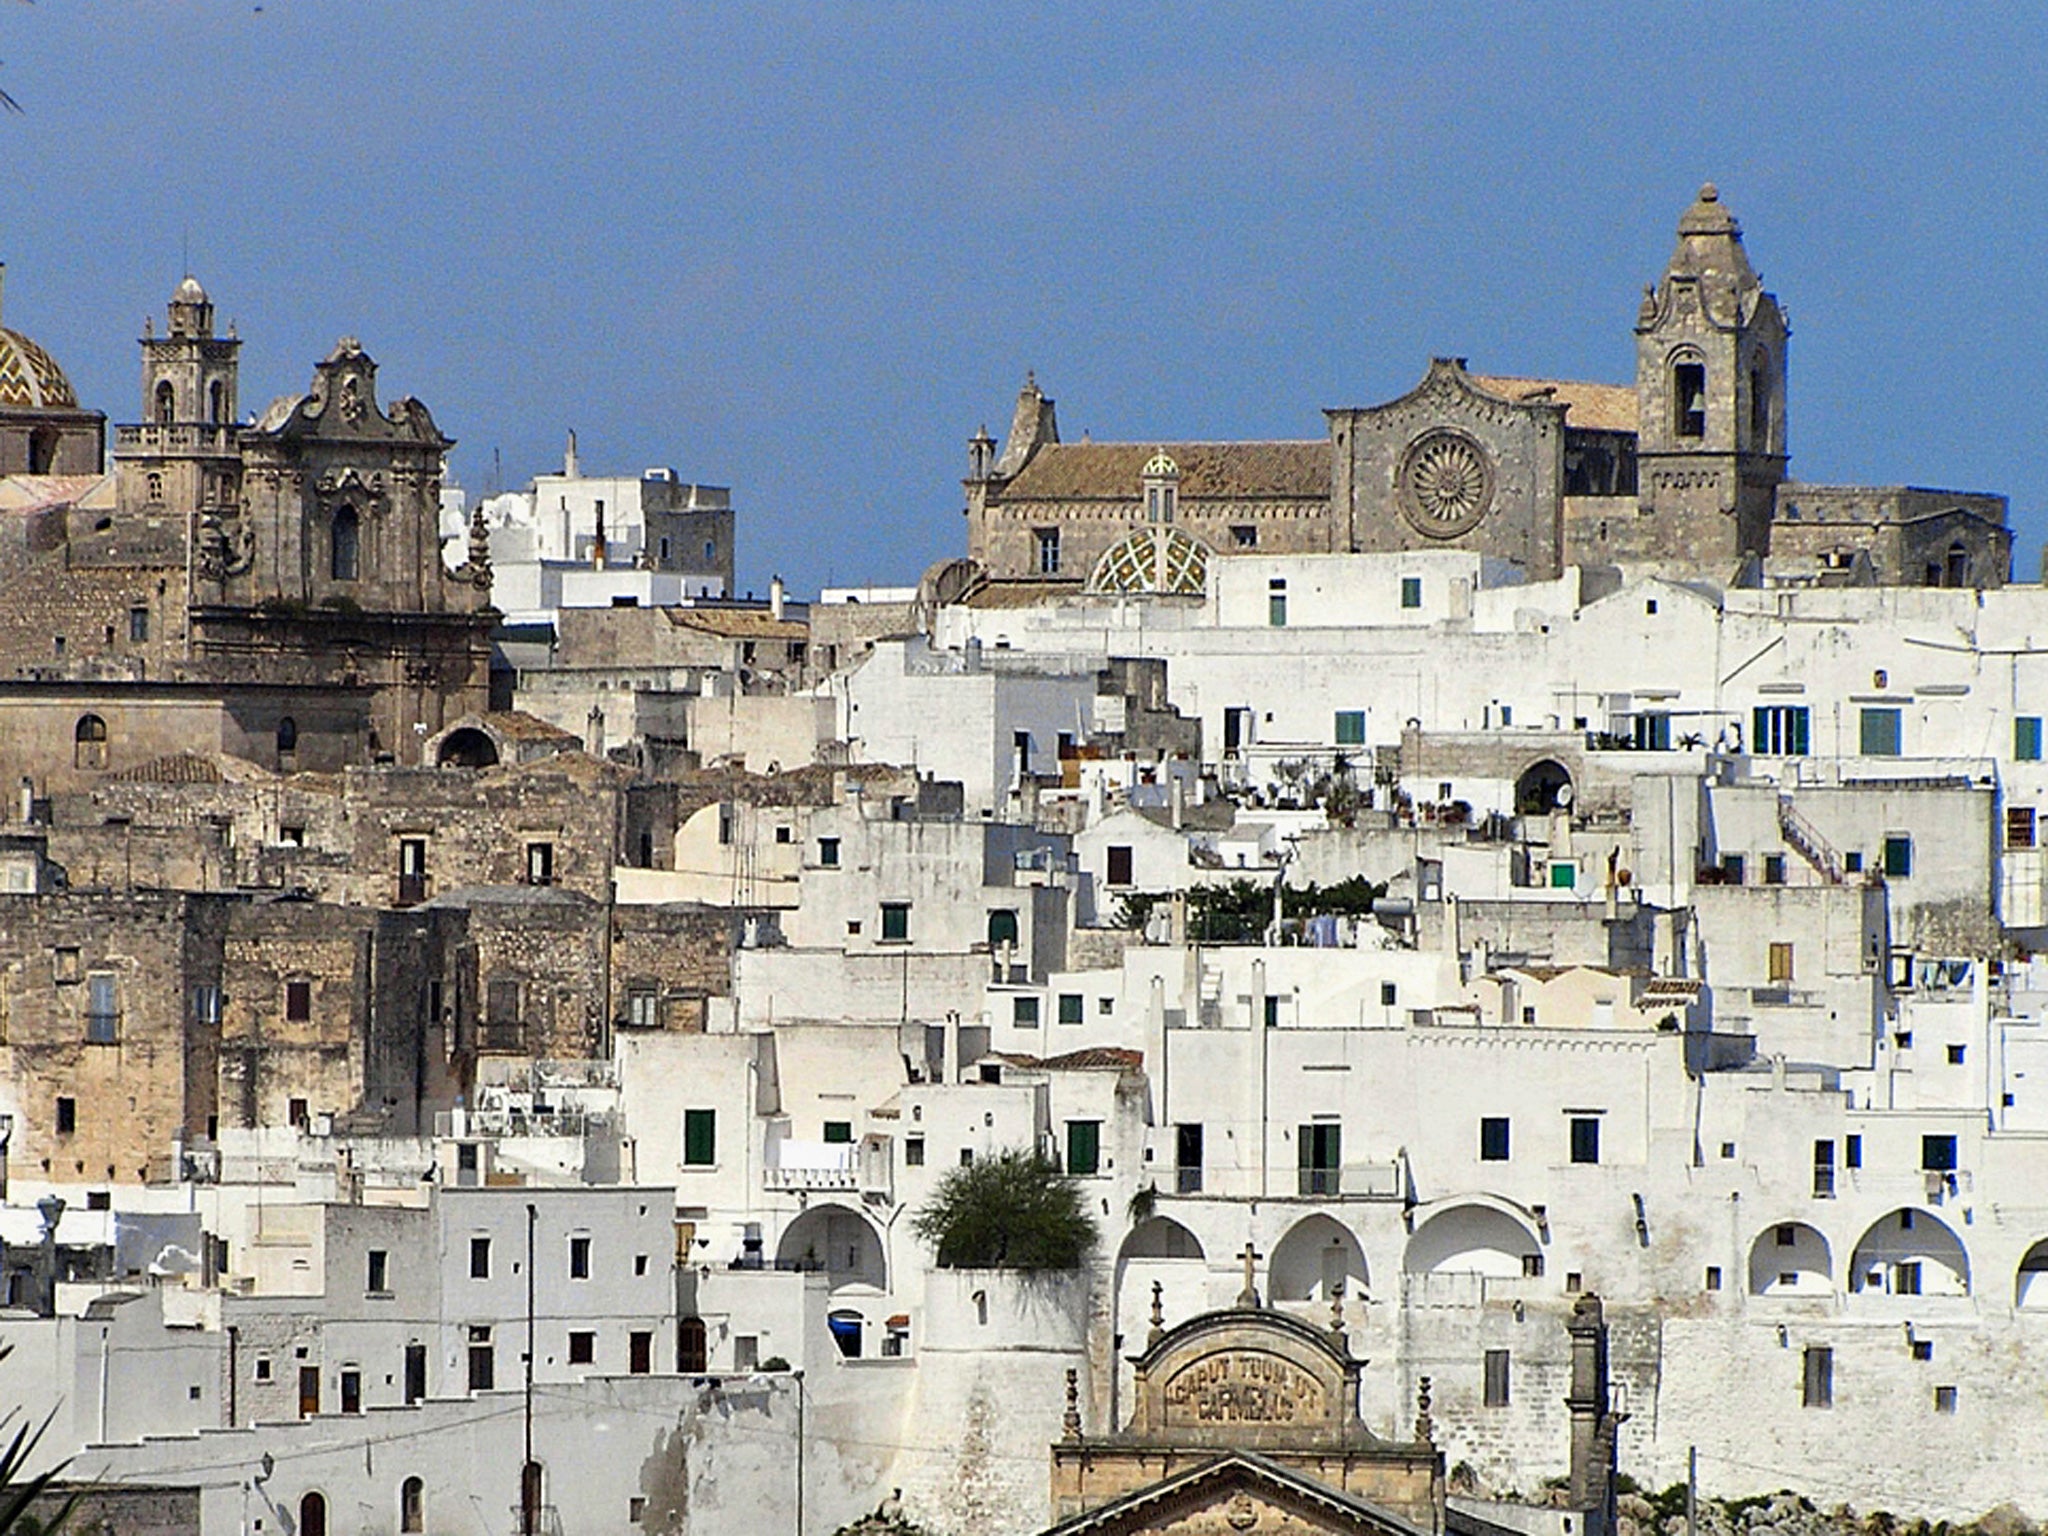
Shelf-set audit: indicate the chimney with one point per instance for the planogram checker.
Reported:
(1178, 799)
(597, 549)
(775, 598)
(569, 468)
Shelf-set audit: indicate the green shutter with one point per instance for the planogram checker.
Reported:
(1801, 720)
(700, 1137)
(1879, 736)
(838, 1132)
(1084, 1146)
(2026, 738)
(1070, 1007)
(1760, 741)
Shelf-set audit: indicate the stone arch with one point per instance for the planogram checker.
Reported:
(1910, 1252)
(1160, 1237)
(89, 742)
(1686, 373)
(1317, 1255)
(2030, 1283)
(1791, 1258)
(166, 403)
(467, 748)
(837, 1240)
(1543, 787)
(1474, 1239)
(412, 1506)
(312, 1513)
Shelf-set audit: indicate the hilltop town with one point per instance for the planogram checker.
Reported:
(1514, 918)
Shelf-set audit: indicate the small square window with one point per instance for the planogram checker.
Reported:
(1852, 862)
(1105, 1005)
(540, 863)
(1898, 856)
(479, 1258)
(1944, 1399)
(1024, 1012)
(1493, 1139)
(1713, 1277)
(913, 1152)
(1071, 1004)
(636, 1509)
(379, 1279)
(1585, 1145)
(582, 1346)
(261, 1372)
(828, 853)
(1955, 1055)
(1574, 1282)
(67, 1116)
(66, 963)
(895, 922)
(1389, 994)
(1923, 1349)
(138, 625)
(639, 1265)
(1411, 591)
(298, 1001)
(1727, 1151)
(579, 1258)
(1244, 535)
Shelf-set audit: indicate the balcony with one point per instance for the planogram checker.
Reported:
(181, 437)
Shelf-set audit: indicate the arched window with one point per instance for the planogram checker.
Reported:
(1689, 398)
(89, 742)
(166, 402)
(217, 402)
(412, 1506)
(1760, 403)
(313, 1515)
(42, 451)
(1957, 571)
(287, 740)
(156, 486)
(345, 545)
(1002, 928)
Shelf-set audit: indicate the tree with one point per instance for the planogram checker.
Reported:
(1016, 1210)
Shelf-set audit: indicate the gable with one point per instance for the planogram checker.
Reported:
(1238, 1493)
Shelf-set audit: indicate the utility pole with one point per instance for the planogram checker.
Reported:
(529, 1484)
(799, 1375)
(1692, 1490)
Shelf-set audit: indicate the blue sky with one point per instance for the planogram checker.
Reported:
(806, 250)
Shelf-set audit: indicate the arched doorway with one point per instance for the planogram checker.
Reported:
(467, 748)
(313, 1515)
(1473, 1240)
(1910, 1253)
(2030, 1285)
(838, 1241)
(1318, 1256)
(1543, 787)
(693, 1347)
(1791, 1259)
(1160, 1252)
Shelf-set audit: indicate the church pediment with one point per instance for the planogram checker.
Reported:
(1224, 1377)
(1239, 1494)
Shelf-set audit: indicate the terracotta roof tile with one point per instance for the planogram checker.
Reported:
(738, 623)
(1593, 407)
(1240, 471)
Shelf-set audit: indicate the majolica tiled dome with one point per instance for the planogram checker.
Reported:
(30, 378)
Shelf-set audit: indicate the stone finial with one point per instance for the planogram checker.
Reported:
(1337, 1309)
(1249, 1296)
(1425, 1426)
(1070, 1421)
(1158, 1314)
(479, 546)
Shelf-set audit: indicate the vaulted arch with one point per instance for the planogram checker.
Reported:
(1910, 1252)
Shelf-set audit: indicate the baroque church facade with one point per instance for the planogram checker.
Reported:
(1684, 473)
(270, 586)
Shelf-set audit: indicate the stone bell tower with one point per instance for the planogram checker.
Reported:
(1710, 392)
(181, 454)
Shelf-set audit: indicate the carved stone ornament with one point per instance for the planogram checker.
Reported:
(1445, 485)
(352, 407)
(1242, 1513)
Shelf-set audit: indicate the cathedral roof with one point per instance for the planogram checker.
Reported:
(30, 378)
(1590, 407)
(1064, 471)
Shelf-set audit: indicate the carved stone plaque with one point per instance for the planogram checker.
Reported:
(1242, 1386)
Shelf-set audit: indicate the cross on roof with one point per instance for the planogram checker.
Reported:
(1249, 1296)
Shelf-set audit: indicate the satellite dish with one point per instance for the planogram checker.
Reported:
(1564, 796)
